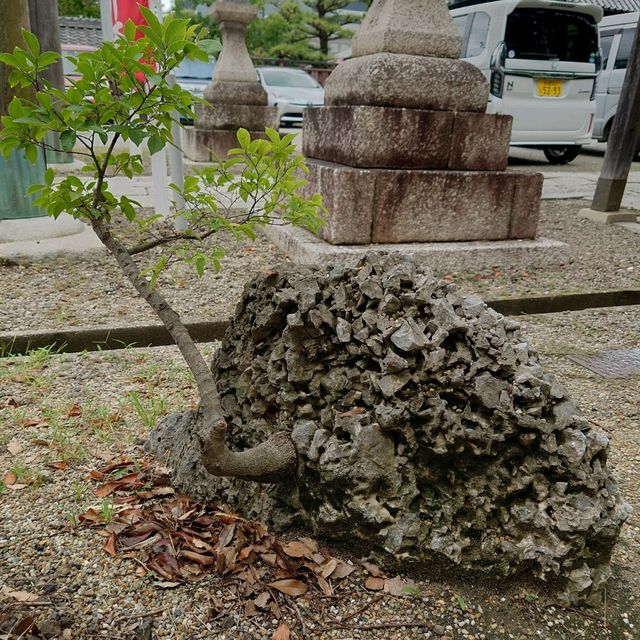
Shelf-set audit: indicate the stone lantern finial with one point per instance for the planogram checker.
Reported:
(235, 96)
(414, 27)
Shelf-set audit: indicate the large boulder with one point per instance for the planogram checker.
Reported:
(424, 423)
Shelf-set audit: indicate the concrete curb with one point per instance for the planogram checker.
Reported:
(305, 248)
(155, 335)
(79, 244)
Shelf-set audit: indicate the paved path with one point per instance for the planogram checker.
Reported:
(558, 184)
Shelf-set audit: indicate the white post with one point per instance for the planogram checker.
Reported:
(106, 17)
(159, 180)
(176, 165)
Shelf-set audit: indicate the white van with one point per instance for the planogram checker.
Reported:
(616, 37)
(541, 58)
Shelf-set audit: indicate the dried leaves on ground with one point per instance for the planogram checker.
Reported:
(177, 539)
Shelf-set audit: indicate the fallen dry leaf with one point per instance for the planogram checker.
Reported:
(31, 422)
(281, 633)
(14, 447)
(399, 587)
(342, 570)
(9, 478)
(262, 600)
(110, 545)
(372, 569)
(297, 549)
(74, 411)
(61, 466)
(19, 596)
(324, 586)
(356, 411)
(328, 567)
(16, 487)
(290, 587)
(374, 584)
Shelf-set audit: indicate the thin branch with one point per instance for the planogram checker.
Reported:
(152, 244)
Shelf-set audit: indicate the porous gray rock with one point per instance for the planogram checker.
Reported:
(432, 432)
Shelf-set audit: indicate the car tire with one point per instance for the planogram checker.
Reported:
(562, 155)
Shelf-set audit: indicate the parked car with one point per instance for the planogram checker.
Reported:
(194, 76)
(292, 91)
(616, 37)
(541, 58)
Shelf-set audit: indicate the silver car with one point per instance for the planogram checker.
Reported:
(292, 91)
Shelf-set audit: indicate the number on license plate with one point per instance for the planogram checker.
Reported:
(548, 88)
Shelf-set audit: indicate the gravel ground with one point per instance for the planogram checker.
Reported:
(78, 409)
(68, 292)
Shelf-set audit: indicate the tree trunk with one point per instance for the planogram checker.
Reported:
(271, 460)
(43, 16)
(15, 17)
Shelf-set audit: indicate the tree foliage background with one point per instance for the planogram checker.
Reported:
(86, 8)
(297, 30)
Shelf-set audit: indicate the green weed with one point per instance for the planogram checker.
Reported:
(148, 412)
(107, 509)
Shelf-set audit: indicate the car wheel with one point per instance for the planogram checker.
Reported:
(562, 155)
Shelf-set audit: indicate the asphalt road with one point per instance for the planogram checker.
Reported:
(589, 160)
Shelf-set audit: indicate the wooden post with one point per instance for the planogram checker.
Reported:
(624, 138)
(43, 16)
(17, 174)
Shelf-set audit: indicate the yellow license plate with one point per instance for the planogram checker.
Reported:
(549, 88)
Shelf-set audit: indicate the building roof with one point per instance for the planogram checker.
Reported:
(76, 30)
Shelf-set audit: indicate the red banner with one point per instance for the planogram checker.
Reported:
(123, 10)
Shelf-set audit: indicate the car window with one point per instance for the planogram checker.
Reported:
(196, 69)
(606, 41)
(284, 78)
(544, 34)
(461, 25)
(624, 49)
(478, 33)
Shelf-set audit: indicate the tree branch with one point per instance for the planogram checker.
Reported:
(270, 461)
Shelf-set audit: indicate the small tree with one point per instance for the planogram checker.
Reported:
(123, 94)
(319, 19)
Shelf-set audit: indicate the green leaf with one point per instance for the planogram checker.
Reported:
(48, 176)
(67, 140)
(129, 30)
(31, 152)
(155, 144)
(244, 138)
(32, 42)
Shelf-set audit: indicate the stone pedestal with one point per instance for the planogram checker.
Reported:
(236, 97)
(403, 151)
(408, 205)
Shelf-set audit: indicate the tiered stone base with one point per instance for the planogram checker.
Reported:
(379, 137)
(392, 206)
(216, 126)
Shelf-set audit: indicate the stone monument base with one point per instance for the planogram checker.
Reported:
(443, 257)
(393, 206)
(209, 145)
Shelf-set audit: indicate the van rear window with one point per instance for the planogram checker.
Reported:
(543, 34)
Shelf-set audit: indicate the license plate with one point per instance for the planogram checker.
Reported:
(548, 88)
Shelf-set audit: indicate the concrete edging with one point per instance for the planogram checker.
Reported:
(155, 335)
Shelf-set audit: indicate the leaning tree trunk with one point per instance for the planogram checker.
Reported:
(269, 461)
